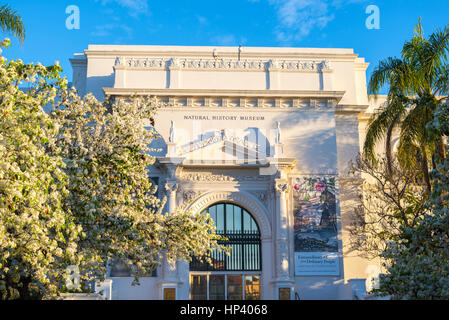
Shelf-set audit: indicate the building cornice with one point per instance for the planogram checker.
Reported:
(100, 51)
(184, 163)
(78, 61)
(350, 109)
(365, 116)
(232, 99)
(223, 92)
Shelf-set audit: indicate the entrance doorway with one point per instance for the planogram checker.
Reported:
(234, 277)
(225, 286)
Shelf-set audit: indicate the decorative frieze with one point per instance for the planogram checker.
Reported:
(190, 195)
(224, 64)
(262, 196)
(208, 177)
(242, 102)
(140, 63)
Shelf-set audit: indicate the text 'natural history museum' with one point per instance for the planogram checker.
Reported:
(261, 139)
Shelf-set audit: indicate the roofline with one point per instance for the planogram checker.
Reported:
(209, 51)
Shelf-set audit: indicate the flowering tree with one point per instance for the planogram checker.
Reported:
(392, 198)
(35, 232)
(106, 149)
(75, 189)
(418, 262)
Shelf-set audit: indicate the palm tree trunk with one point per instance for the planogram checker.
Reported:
(388, 151)
(425, 170)
(441, 152)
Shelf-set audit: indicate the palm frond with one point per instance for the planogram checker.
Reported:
(422, 74)
(389, 71)
(439, 44)
(419, 31)
(407, 151)
(414, 52)
(437, 54)
(383, 120)
(11, 22)
(442, 82)
(413, 135)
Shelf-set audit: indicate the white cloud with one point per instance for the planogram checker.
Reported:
(119, 30)
(202, 20)
(102, 31)
(297, 18)
(135, 7)
(117, 25)
(224, 40)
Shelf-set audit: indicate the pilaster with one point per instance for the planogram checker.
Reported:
(273, 75)
(175, 74)
(283, 278)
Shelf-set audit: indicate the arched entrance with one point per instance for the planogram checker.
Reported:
(233, 277)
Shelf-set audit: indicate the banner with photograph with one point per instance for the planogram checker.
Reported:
(315, 229)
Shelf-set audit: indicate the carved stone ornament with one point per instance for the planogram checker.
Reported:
(223, 64)
(262, 196)
(190, 195)
(172, 132)
(182, 101)
(174, 63)
(281, 187)
(171, 187)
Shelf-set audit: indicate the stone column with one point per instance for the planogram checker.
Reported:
(283, 278)
(170, 277)
(169, 269)
(273, 75)
(171, 187)
(281, 188)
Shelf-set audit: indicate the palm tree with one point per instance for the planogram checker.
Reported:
(418, 83)
(11, 22)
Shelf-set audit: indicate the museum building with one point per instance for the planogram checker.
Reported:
(261, 139)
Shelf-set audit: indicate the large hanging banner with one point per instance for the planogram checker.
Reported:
(316, 234)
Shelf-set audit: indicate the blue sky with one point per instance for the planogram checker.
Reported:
(268, 23)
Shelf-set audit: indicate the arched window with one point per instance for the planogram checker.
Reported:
(237, 225)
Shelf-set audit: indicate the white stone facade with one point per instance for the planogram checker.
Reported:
(244, 127)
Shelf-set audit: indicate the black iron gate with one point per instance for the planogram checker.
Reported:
(243, 239)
